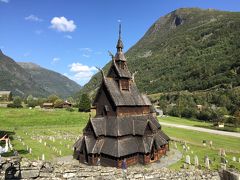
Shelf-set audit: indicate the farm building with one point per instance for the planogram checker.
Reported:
(5, 95)
(124, 126)
(48, 105)
(66, 104)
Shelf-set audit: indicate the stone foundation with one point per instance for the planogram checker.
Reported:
(14, 168)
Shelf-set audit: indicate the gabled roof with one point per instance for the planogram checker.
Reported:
(5, 93)
(125, 98)
(121, 126)
(122, 73)
(119, 147)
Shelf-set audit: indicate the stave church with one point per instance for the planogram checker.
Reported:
(125, 126)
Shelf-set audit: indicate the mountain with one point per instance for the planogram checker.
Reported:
(13, 77)
(187, 49)
(53, 82)
(28, 78)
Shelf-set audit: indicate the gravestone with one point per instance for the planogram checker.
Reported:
(234, 159)
(175, 145)
(188, 161)
(210, 143)
(223, 153)
(30, 150)
(207, 163)
(43, 157)
(196, 163)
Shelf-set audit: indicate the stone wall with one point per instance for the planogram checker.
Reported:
(14, 168)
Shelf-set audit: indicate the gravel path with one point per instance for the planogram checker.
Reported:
(171, 158)
(225, 133)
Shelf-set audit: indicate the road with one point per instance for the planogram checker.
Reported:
(225, 133)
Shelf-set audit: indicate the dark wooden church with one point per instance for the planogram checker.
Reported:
(125, 126)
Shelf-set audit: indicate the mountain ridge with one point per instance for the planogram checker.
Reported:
(187, 49)
(24, 79)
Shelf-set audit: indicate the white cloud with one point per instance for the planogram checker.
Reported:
(33, 18)
(81, 71)
(86, 55)
(61, 24)
(86, 49)
(86, 52)
(55, 60)
(5, 1)
(68, 36)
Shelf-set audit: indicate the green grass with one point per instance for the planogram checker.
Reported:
(184, 121)
(194, 140)
(193, 122)
(63, 125)
(66, 127)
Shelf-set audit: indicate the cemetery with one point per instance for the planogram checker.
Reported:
(48, 141)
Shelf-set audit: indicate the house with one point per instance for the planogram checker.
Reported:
(124, 127)
(66, 104)
(48, 105)
(5, 96)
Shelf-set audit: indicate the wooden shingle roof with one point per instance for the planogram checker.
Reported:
(119, 147)
(121, 126)
(125, 98)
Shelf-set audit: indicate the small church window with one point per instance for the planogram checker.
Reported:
(125, 85)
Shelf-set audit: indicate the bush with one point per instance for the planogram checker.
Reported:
(70, 109)
(11, 105)
(189, 112)
(17, 102)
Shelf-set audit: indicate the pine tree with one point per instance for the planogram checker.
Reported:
(84, 104)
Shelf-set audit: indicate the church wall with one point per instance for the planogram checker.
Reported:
(108, 162)
(131, 110)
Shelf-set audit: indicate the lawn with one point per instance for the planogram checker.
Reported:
(29, 127)
(53, 133)
(193, 122)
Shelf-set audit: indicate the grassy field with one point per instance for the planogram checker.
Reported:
(197, 123)
(53, 133)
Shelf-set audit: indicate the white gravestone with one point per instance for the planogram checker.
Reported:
(196, 163)
(207, 163)
(234, 159)
(188, 161)
(43, 157)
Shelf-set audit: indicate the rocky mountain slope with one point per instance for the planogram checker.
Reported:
(53, 82)
(26, 78)
(187, 49)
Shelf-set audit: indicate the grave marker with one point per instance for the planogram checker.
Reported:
(207, 163)
(43, 157)
(196, 163)
(188, 161)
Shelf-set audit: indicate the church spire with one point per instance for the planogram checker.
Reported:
(119, 43)
(120, 55)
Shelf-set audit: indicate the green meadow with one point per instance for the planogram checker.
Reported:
(53, 133)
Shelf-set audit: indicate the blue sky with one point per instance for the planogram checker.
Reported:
(73, 36)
